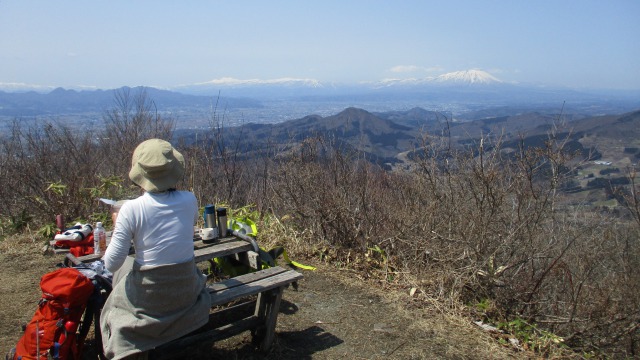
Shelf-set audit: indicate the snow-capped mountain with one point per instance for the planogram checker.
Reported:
(465, 86)
(281, 81)
(288, 84)
(456, 78)
(250, 87)
(401, 82)
(468, 77)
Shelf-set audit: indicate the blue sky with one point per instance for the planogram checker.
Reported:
(108, 44)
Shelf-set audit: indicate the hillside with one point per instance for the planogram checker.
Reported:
(392, 138)
(354, 129)
(382, 136)
(611, 138)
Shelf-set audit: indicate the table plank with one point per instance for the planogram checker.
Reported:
(255, 287)
(246, 278)
(202, 251)
(221, 249)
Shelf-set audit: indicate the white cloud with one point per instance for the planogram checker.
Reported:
(495, 71)
(415, 69)
(18, 86)
(405, 68)
(229, 81)
(504, 71)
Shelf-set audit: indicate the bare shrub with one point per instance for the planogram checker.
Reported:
(332, 192)
(220, 171)
(630, 197)
(47, 170)
(475, 224)
(497, 231)
(50, 168)
(132, 119)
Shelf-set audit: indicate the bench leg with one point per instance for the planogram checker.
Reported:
(267, 308)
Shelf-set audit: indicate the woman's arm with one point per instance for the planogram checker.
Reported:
(118, 248)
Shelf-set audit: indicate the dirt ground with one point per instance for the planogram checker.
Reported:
(331, 316)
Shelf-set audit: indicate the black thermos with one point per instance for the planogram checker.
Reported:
(222, 221)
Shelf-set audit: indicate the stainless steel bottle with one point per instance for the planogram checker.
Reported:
(222, 221)
(210, 216)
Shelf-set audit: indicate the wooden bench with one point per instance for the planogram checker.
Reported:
(258, 316)
(248, 302)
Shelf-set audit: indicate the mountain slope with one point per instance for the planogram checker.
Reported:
(383, 136)
(351, 130)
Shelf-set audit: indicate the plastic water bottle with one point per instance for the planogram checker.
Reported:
(99, 239)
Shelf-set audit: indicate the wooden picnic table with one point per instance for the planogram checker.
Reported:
(255, 297)
(203, 251)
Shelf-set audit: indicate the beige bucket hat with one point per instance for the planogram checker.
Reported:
(156, 166)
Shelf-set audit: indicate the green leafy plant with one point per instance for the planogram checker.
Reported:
(377, 258)
(377, 250)
(244, 212)
(103, 217)
(110, 186)
(21, 221)
(483, 305)
(48, 230)
(57, 188)
(529, 334)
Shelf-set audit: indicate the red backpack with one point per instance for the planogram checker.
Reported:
(53, 330)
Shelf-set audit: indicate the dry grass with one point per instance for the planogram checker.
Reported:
(22, 263)
(448, 326)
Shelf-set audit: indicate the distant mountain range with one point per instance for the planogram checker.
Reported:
(457, 78)
(465, 77)
(64, 102)
(467, 95)
(459, 86)
(465, 82)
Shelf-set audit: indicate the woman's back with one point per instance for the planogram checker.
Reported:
(161, 226)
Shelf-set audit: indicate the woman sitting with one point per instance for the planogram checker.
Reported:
(159, 295)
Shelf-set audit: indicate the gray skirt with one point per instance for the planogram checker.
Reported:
(150, 306)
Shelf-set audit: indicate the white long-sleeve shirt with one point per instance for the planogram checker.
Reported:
(161, 227)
